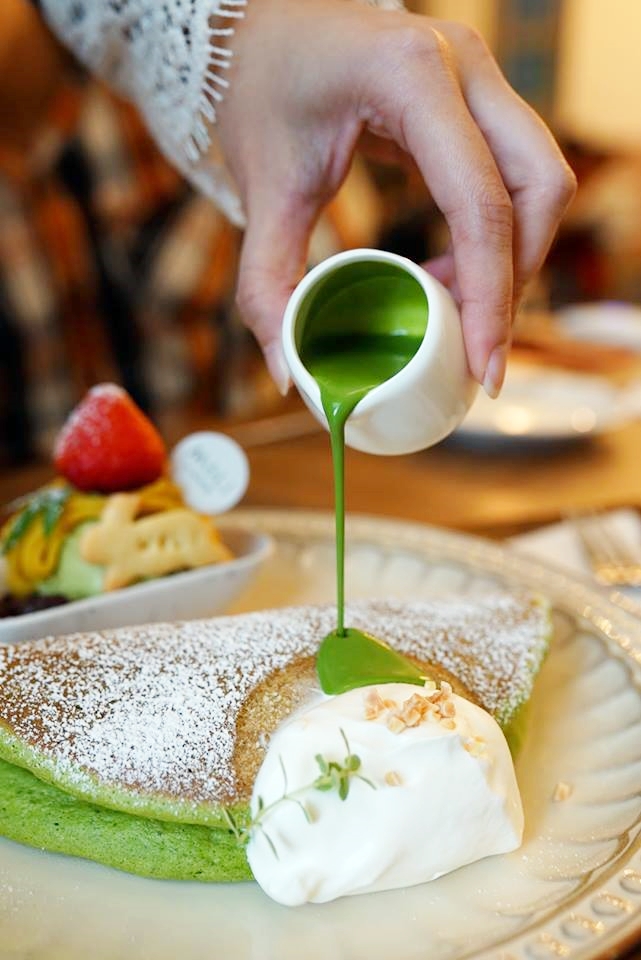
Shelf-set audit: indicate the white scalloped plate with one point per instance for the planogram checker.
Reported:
(574, 888)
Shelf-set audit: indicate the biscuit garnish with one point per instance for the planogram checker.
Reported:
(132, 548)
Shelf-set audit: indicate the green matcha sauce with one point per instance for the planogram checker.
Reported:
(355, 340)
(346, 369)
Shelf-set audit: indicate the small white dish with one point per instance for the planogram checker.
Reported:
(545, 405)
(424, 401)
(203, 592)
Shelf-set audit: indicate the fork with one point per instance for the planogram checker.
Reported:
(612, 561)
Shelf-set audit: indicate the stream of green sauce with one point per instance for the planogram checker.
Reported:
(346, 370)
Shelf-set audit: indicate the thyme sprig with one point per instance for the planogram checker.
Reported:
(332, 776)
(47, 503)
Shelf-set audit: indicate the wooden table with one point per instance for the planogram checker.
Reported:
(491, 492)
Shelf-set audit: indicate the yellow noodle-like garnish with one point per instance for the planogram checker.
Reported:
(162, 494)
(35, 556)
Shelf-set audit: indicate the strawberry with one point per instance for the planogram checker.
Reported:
(108, 444)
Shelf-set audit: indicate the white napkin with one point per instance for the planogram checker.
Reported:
(559, 544)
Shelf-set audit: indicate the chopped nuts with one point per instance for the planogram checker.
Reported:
(436, 703)
(475, 746)
(562, 791)
(395, 724)
(412, 718)
(374, 705)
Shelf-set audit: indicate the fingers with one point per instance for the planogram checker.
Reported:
(531, 164)
(271, 264)
(426, 112)
(443, 268)
(489, 163)
(383, 150)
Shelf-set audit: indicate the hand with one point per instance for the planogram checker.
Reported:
(311, 77)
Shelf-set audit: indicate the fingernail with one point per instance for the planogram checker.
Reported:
(278, 368)
(495, 371)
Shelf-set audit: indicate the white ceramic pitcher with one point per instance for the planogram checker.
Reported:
(428, 398)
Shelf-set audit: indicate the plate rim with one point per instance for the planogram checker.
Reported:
(569, 589)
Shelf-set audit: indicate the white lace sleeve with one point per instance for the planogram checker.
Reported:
(171, 62)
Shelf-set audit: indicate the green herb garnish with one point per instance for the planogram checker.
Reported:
(48, 504)
(333, 776)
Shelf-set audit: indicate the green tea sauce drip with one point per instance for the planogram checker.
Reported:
(354, 341)
(346, 370)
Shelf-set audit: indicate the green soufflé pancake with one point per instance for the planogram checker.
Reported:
(129, 746)
(40, 815)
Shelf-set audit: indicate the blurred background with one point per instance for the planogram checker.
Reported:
(112, 268)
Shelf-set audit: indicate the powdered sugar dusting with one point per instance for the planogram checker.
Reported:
(153, 709)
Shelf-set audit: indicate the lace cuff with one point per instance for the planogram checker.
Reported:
(170, 59)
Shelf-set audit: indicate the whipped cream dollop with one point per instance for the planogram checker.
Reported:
(435, 789)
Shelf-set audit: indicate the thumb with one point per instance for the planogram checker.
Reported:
(272, 261)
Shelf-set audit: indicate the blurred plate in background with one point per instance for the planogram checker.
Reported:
(608, 322)
(550, 405)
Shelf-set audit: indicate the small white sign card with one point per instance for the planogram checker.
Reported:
(212, 471)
